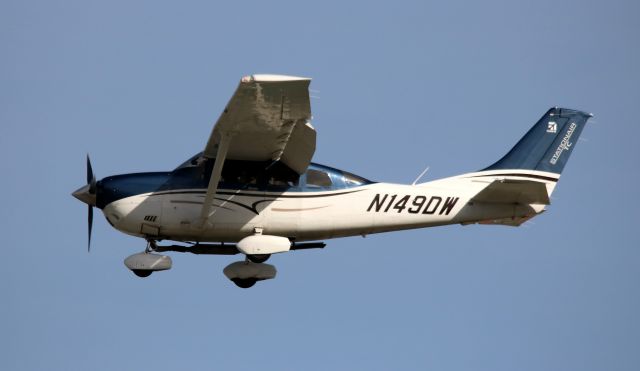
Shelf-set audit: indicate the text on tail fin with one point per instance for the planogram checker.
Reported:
(548, 144)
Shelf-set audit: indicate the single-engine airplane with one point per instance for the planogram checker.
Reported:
(253, 190)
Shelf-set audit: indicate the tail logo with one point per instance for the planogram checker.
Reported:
(564, 145)
(552, 127)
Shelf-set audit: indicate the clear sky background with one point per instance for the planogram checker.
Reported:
(398, 86)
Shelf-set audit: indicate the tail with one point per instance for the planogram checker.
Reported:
(525, 177)
(548, 144)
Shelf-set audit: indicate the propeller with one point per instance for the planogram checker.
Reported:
(87, 194)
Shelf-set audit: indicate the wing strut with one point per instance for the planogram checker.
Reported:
(212, 189)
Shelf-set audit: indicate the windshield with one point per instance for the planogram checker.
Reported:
(191, 162)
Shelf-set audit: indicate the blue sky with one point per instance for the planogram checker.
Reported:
(397, 86)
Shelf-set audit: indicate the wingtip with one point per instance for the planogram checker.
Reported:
(272, 78)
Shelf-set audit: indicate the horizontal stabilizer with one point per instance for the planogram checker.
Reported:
(510, 222)
(511, 191)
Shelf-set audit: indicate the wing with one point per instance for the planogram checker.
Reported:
(266, 119)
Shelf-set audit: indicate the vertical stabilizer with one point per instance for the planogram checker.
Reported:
(548, 144)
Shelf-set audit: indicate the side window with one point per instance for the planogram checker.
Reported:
(279, 177)
(239, 175)
(318, 179)
(249, 179)
(279, 183)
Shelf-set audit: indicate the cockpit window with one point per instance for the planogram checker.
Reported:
(280, 182)
(238, 174)
(352, 180)
(268, 176)
(316, 178)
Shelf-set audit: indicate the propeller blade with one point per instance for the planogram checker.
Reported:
(90, 224)
(89, 170)
(91, 179)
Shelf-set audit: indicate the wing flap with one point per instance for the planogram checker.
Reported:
(512, 191)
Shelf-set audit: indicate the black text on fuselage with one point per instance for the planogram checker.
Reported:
(412, 204)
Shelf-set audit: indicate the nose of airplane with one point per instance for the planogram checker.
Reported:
(85, 195)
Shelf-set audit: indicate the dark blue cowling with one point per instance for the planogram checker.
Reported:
(548, 144)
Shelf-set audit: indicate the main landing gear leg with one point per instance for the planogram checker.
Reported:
(151, 246)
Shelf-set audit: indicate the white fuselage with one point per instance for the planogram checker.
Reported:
(304, 216)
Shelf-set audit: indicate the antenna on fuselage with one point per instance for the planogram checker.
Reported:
(420, 176)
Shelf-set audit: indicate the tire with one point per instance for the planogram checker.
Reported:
(244, 283)
(142, 272)
(261, 258)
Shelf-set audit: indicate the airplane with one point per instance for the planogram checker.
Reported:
(253, 189)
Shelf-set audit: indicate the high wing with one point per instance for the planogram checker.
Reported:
(267, 118)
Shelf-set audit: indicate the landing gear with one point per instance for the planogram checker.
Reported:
(244, 274)
(259, 258)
